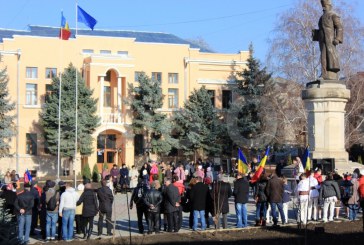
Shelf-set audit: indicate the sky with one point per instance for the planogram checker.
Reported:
(227, 26)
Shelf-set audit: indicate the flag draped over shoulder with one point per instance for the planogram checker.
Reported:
(306, 163)
(27, 177)
(260, 168)
(64, 32)
(242, 163)
(84, 17)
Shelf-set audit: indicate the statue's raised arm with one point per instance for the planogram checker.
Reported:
(329, 34)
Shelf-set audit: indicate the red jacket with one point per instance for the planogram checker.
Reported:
(180, 186)
(361, 186)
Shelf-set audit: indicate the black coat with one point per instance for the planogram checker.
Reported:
(106, 198)
(275, 189)
(221, 191)
(329, 188)
(198, 195)
(171, 197)
(155, 198)
(90, 205)
(25, 200)
(241, 190)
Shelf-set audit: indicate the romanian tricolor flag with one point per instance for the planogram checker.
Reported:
(65, 31)
(27, 177)
(306, 163)
(242, 163)
(260, 168)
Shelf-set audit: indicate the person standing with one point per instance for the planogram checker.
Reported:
(354, 199)
(62, 189)
(180, 172)
(66, 211)
(274, 191)
(36, 191)
(78, 214)
(153, 200)
(52, 212)
(23, 205)
(221, 192)
(329, 193)
(241, 196)
(89, 210)
(133, 174)
(303, 192)
(137, 198)
(106, 199)
(261, 202)
(198, 196)
(114, 173)
(9, 196)
(181, 191)
(124, 178)
(313, 197)
(171, 205)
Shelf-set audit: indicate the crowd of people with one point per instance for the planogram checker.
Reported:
(162, 192)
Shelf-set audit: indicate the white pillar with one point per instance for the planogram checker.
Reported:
(119, 100)
(102, 98)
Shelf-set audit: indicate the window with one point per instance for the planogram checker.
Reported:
(31, 94)
(107, 96)
(138, 144)
(212, 96)
(87, 51)
(157, 76)
(110, 156)
(172, 98)
(51, 73)
(137, 74)
(226, 99)
(123, 53)
(105, 51)
(49, 91)
(31, 144)
(172, 77)
(32, 72)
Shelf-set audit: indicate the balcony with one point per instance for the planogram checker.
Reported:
(112, 118)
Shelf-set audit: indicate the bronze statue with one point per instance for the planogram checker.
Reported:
(329, 34)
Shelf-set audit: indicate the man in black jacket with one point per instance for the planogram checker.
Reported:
(241, 194)
(198, 195)
(171, 202)
(274, 191)
(23, 206)
(137, 198)
(106, 198)
(221, 192)
(153, 200)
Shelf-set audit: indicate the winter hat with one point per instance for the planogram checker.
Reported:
(81, 187)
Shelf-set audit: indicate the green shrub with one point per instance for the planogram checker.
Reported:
(86, 171)
(95, 174)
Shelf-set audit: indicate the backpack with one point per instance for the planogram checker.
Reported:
(52, 203)
(346, 191)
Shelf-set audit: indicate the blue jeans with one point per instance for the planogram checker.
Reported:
(261, 210)
(241, 215)
(273, 206)
(24, 220)
(196, 213)
(68, 217)
(52, 218)
(353, 210)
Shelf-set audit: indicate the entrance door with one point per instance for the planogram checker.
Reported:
(106, 149)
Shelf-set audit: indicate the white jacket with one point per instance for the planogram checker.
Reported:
(69, 199)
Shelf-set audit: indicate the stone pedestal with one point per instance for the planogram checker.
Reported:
(325, 102)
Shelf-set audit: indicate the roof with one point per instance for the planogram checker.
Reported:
(148, 37)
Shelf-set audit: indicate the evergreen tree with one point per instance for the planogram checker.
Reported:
(197, 125)
(8, 226)
(253, 85)
(7, 129)
(95, 174)
(146, 99)
(86, 172)
(87, 118)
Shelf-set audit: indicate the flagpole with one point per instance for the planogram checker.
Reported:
(59, 107)
(76, 111)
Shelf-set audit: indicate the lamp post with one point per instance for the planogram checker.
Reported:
(18, 54)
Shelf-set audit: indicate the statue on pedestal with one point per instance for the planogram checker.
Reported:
(329, 34)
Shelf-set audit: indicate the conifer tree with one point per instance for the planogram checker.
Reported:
(253, 84)
(197, 125)
(8, 226)
(86, 172)
(144, 102)
(7, 129)
(87, 118)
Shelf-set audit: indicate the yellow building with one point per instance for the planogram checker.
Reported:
(109, 61)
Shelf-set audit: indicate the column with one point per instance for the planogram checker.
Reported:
(101, 98)
(120, 106)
